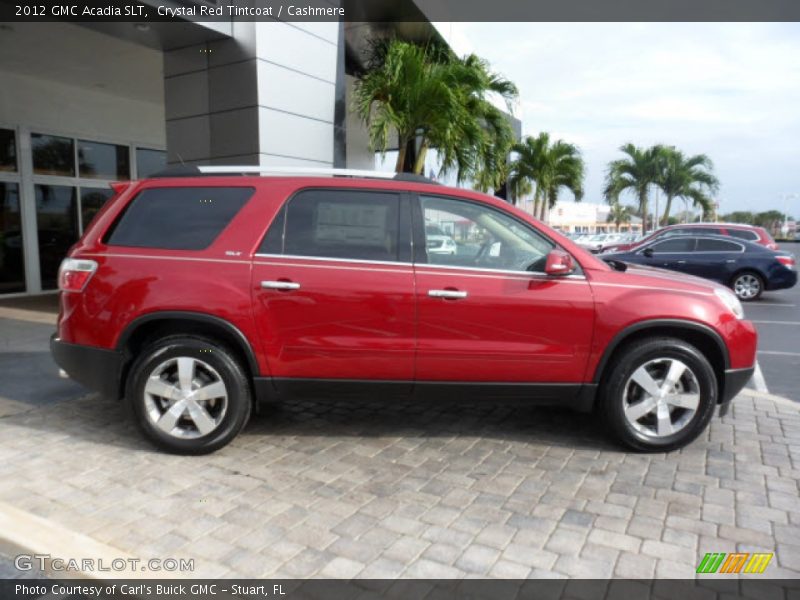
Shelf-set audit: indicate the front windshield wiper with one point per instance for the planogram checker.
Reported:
(615, 264)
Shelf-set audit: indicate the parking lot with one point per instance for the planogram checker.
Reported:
(403, 489)
(777, 317)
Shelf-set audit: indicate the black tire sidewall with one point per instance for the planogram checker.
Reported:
(229, 370)
(631, 360)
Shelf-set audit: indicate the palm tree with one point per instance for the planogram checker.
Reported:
(547, 168)
(619, 214)
(427, 93)
(689, 178)
(636, 172)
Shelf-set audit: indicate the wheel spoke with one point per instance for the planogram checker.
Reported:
(204, 422)
(634, 412)
(186, 373)
(664, 426)
(676, 370)
(645, 381)
(685, 400)
(158, 387)
(210, 391)
(170, 418)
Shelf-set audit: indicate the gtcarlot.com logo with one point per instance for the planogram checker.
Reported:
(735, 562)
(42, 562)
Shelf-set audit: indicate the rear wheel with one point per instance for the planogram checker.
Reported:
(189, 394)
(659, 395)
(747, 286)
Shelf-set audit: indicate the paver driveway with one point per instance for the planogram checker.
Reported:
(400, 488)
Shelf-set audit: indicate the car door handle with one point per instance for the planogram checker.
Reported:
(448, 294)
(280, 285)
(681, 262)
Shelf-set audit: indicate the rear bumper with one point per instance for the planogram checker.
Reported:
(784, 279)
(733, 382)
(95, 368)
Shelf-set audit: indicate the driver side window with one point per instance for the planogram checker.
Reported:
(468, 234)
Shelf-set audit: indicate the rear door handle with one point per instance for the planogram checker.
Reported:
(449, 294)
(280, 285)
(681, 262)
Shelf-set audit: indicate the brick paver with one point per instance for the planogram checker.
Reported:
(403, 488)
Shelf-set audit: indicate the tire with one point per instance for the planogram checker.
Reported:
(747, 285)
(622, 397)
(171, 366)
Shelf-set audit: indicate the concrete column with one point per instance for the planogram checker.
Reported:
(266, 96)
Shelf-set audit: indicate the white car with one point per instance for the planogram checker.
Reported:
(441, 244)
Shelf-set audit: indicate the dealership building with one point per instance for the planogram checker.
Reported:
(82, 105)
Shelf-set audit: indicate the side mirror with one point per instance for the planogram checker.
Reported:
(559, 263)
(648, 252)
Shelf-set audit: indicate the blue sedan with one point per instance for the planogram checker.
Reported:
(747, 268)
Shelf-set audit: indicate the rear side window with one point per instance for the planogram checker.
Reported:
(678, 244)
(358, 225)
(709, 245)
(743, 234)
(184, 218)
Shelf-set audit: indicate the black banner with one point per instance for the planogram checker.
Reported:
(142, 11)
(711, 588)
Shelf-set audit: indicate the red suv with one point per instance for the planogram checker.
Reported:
(751, 233)
(195, 295)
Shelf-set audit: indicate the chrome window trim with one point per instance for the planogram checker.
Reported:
(419, 266)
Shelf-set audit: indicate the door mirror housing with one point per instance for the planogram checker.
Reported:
(648, 252)
(559, 263)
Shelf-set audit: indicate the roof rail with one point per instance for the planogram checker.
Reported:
(194, 171)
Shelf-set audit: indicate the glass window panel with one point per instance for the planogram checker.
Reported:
(8, 150)
(342, 224)
(103, 161)
(92, 200)
(53, 155)
(743, 234)
(468, 234)
(187, 218)
(12, 267)
(678, 244)
(709, 245)
(149, 162)
(57, 226)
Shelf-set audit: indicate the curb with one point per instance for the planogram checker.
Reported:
(25, 533)
(765, 396)
(33, 316)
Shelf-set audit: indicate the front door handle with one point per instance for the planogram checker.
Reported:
(681, 262)
(280, 285)
(448, 294)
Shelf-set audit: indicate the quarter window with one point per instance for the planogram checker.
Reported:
(185, 218)
(468, 234)
(709, 245)
(342, 224)
(743, 234)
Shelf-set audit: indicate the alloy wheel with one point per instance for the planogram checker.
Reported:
(185, 397)
(661, 397)
(747, 286)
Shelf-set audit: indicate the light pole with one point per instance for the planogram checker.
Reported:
(785, 228)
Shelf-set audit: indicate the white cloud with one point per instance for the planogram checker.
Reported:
(729, 90)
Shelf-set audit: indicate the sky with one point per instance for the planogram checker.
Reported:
(728, 90)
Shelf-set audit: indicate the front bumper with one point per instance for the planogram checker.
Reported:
(732, 383)
(98, 369)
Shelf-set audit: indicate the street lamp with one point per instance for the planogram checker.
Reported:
(785, 228)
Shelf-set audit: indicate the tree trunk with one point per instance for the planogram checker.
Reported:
(665, 220)
(643, 204)
(419, 165)
(401, 156)
(536, 203)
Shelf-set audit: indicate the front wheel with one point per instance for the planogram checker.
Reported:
(659, 395)
(190, 395)
(748, 286)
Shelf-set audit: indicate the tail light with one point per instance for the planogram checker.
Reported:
(786, 261)
(75, 273)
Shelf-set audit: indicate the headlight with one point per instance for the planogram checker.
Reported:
(730, 300)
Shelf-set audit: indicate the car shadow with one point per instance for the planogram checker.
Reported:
(340, 418)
